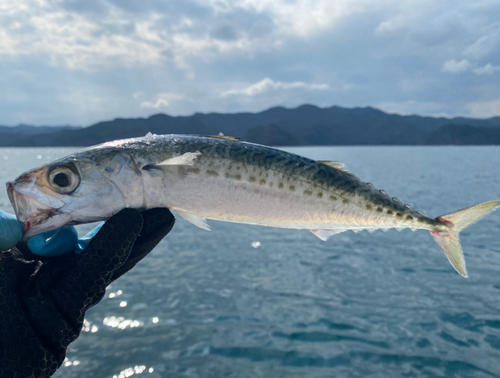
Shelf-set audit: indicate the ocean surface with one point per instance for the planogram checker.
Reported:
(247, 301)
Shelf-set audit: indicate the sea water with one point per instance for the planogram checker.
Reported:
(247, 301)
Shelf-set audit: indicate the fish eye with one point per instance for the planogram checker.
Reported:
(63, 180)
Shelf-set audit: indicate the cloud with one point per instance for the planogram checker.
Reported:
(484, 109)
(300, 17)
(268, 85)
(425, 28)
(75, 40)
(484, 45)
(456, 66)
(488, 69)
(87, 38)
(162, 100)
(78, 62)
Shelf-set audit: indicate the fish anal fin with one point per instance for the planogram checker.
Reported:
(326, 234)
(194, 219)
(184, 160)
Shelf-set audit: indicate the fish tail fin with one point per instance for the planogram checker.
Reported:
(449, 240)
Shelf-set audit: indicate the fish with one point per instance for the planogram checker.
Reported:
(225, 179)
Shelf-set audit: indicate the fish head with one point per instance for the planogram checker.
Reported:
(70, 191)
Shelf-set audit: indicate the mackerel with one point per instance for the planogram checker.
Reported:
(222, 179)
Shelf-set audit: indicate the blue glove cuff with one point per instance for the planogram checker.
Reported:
(11, 231)
(54, 243)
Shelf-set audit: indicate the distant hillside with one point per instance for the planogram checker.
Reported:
(304, 125)
(33, 130)
(465, 135)
(271, 135)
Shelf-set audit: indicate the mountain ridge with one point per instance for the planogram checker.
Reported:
(306, 124)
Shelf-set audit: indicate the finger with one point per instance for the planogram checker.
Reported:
(85, 284)
(157, 224)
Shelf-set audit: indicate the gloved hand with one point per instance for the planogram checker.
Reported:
(43, 300)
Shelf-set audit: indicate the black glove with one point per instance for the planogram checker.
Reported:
(43, 300)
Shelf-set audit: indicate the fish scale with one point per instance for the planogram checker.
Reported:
(222, 179)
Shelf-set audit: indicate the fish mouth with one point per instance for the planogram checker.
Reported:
(30, 212)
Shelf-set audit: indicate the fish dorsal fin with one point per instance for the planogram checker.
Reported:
(337, 165)
(333, 164)
(326, 234)
(224, 137)
(183, 160)
(194, 219)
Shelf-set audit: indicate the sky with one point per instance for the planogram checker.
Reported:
(78, 62)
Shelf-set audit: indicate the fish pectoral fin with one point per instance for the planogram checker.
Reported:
(194, 219)
(183, 160)
(326, 234)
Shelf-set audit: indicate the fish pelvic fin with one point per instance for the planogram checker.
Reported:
(194, 219)
(449, 241)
